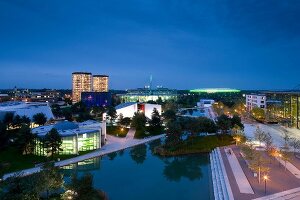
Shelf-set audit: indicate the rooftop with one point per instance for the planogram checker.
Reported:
(215, 90)
(66, 128)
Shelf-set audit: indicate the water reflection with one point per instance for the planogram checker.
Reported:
(82, 166)
(139, 153)
(154, 144)
(184, 166)
(112, 156)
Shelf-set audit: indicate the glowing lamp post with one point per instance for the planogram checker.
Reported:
(265, 179)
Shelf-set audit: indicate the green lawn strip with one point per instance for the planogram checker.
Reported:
(11, 160)
(140, 134)
(117, 131)
(203, 144)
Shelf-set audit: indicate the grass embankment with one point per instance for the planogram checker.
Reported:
(203, 144)
(117, 131)
(11, 160)
(140, 133)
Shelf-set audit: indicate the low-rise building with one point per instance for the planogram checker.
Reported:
(28, 109)
(76, 137)
(128, 109)
(256, 101)
(205, 103)
(147, 94)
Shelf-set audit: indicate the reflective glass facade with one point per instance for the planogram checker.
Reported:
(72, 144)
(288, 110)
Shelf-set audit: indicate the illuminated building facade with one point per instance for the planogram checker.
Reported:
(146, 94)
(98, 99)
(256, 101)
(286, 107)
(76, 137)
(81, 82)
(100, 83)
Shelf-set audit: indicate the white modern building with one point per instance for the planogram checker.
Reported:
(28, 109)
(256, 101)
(128, 109)
(76, 137)
(205, 103)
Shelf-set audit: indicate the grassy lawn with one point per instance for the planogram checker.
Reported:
(11, 160)
(203, 144)
(117, 131)
(140, 134)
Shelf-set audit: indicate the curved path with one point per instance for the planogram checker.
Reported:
(113, 144)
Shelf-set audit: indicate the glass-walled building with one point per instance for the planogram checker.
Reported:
(286, 107)
(76, 137)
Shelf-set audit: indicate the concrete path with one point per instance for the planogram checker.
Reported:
(113, 144)
(130, 134)
(293, 194)
(239, 175)
(290, 167)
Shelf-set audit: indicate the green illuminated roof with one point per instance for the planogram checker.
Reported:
(214, 90)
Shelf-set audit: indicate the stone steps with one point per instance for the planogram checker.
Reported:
(222, 189)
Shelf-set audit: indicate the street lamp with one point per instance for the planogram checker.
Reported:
(265, 178)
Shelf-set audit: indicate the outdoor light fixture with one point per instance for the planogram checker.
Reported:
(265, 179)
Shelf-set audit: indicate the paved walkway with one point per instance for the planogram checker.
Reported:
(293, 194)
(290, 167)
(239, 175)
(113, 144)
(130, 134)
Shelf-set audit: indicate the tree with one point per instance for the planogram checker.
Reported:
(112, 113)
(25, 140)
(284, 155)
(25, 120)
(259, 135)
(3, 136)
(174, 134)
(258, 113)
(98, 111)
(39, 119)
(236, 121)
(258, 164)
(125, 122)
(52, 142)
(155, 122)
(51, 178)
(295, 143)
(56, 110)
(8, 119)
(82, 189)
(22, 187)
(67, 113)
(139, 122)
(224, 123)
(169, 115)
(17, 121)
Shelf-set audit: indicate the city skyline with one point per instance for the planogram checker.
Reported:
(184, 45)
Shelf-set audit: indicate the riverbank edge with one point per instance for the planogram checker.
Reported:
(161, 151)
(93, 154)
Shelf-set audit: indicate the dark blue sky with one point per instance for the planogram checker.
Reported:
(184, 44)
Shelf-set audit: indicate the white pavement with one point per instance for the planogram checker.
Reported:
(276, 131)
(293, 194)
(130, 134)
(239, 175)
(113, 144)
(290, 167)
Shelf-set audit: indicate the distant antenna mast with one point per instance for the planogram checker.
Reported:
(150, 86)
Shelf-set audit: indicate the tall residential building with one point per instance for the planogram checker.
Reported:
(100, 83)
(81, 82)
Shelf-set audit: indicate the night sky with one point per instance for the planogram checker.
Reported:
(184, 44)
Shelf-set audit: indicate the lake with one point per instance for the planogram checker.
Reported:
(137, 174)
